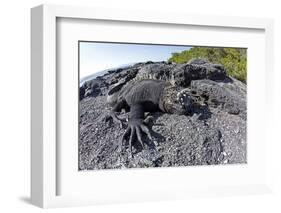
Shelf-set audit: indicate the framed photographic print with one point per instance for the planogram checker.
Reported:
(130, 106)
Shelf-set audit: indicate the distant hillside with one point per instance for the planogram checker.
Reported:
(233, 59)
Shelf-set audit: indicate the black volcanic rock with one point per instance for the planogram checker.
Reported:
(214, 134)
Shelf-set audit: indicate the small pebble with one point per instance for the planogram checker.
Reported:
(237, 130)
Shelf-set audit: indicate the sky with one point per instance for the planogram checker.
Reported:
(95, 57)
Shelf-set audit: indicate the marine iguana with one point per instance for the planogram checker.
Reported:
(148, 96)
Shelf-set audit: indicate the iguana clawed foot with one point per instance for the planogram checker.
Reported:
(115, 118)
(135, 130)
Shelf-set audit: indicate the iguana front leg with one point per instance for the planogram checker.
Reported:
(112, 114)
(136, 127)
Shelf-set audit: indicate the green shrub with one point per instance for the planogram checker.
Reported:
(233, 59)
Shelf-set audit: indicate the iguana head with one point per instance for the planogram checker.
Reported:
(176, 100)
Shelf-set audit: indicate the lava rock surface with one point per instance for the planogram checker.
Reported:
(213, 136)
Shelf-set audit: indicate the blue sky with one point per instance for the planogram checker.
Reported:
(95, 57)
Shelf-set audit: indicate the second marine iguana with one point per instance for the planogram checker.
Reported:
(148, 96)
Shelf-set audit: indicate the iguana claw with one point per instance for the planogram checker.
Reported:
(115, 119)
(135, 129)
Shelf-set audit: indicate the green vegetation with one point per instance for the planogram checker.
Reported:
(233, 59)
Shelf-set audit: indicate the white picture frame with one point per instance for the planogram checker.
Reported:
(44, 84)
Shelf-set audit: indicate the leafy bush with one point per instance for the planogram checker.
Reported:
(233, 59)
